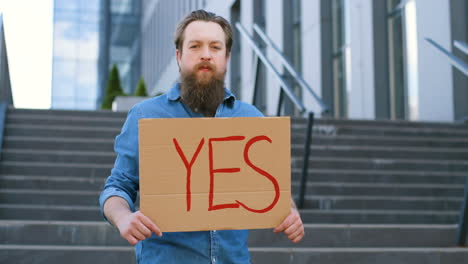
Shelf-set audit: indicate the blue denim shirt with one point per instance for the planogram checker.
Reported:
(223, 246)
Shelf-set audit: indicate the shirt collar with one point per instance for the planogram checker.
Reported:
(174, 94)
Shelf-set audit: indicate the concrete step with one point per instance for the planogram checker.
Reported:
(375, 130)
(49, 212)
(49, 197)
(66, 113)
(55, 169)
(61, 131)
(380, 123)
(50, 183)
(353, 216)
(366, 140)
(383, 164)
(359, 200)
(386, 152)
(260, 255)
(360, 255)
(369, 202)
(33, 119)
(380, 176)
(382, 189)
(58, 254)
(317, 235)
(354, 236)
(59, 143)
(71, 233)
(59, 156)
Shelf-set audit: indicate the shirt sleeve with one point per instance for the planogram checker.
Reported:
(124, 178)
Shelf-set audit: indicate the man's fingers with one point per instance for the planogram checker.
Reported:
(293, 228)
(287, 222)
(298, 238)
(132, 240)
(149, 224)
(143, 229)
(297, 232)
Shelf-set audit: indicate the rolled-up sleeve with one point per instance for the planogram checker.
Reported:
(124, 178)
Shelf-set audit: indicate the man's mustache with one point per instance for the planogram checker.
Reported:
(205, 65)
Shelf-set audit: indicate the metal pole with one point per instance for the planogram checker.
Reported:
(305, 165)
(280, 103)
(255, 85)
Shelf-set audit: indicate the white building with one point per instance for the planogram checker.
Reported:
(367, 59)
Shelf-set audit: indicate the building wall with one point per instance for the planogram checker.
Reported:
(159, 21)
(361, 78)
(435, 87)
(431, 78)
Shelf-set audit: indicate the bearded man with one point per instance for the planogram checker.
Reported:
(203, 43)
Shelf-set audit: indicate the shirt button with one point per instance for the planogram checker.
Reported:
(214, 260)
(214, 231)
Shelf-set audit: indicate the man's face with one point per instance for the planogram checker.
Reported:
(203, 51)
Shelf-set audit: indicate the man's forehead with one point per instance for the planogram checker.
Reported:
(204, 31)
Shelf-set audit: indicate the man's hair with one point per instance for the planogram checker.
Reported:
(202, 15)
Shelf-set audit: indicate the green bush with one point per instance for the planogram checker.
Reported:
(141, 88)
(114, 88)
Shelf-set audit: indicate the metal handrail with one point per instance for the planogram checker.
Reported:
(454, 60)
(461, 46)
(286, 89)
(290, 68)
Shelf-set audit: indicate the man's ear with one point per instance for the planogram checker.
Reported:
(178, 56)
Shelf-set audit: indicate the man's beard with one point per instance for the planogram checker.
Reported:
(202, 94)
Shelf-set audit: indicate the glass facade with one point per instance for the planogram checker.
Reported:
(75, 54)
(89, 37)
(120, 43)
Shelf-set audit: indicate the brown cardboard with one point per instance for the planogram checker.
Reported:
(163, 173)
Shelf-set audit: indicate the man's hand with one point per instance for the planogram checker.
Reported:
(132, 226)
(136, 226)
(292, 226)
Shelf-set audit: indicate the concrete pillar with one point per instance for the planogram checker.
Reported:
(360, 82)
(274, 29)
(311, 51)
(434, 73)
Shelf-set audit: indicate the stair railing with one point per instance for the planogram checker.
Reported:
(463, 67)
(285, 89)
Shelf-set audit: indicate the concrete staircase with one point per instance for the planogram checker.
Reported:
(378, 192)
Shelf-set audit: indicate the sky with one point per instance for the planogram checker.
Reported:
(28, 33)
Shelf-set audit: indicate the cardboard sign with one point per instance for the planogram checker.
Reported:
(215, 173)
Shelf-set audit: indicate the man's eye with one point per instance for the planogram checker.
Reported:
(216, 47)
(194, 46)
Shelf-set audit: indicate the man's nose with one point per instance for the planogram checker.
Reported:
(205, 54)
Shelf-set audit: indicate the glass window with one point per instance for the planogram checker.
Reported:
(89, 17)
(63, 81)
(65, 40)
(90, 5)
(88, 43)
(66, 4)
(121, 6)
